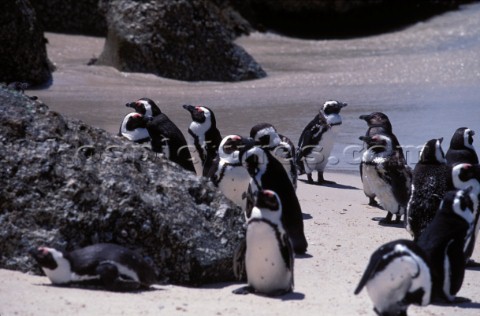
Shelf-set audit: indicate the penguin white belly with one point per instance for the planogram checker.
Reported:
(197, 162)
(234, 183)
(266, 268)
(389, 287)
(367, 187)
(382, 189)
(318, 157)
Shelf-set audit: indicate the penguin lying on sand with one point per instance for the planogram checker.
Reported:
(269, 257)
(432, 178)
(443, 242)
(317, 139)
(204, 136)
(397, 276)
(265, 135)
(386, 175)
(461, 148)
(115, 267)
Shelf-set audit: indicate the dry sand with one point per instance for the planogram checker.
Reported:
(341, 235)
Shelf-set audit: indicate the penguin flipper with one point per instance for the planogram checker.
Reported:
(374, 262)
(239, 269)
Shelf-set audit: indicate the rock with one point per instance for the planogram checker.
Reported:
(68, 185)
(338, 18)
(71, 16)
(179, 39)
(23, 55)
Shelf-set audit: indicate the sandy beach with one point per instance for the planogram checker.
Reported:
(341, 236)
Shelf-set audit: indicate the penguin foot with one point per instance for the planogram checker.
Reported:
(244, 290)
(472, 264)
(321, 179)
(372, 202)
(309, 178)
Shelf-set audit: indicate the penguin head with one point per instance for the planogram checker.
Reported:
(232, 146)
(377, 119)
(268, 206)
(145, 106)
(135, 121)
(265, 135)
(459, 203)
(331, 110)
(200, 114)
(466, 175)
(255, 160)
(462, 138)
(378, 143)
(432, 152)
(53, 263)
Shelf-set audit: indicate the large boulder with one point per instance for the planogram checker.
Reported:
(23, 55)
(188, 40)
(68, 185)
(338, 18)
(71, 16)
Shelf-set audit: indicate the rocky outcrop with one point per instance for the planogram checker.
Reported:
(71, 16)
(338, 18)
(68, 185)
(183, 39)
(23, 55)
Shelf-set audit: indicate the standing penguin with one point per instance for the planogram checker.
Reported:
(228, 173)
(396, 276)
(165, 138)
(431, 179)
(136, 135)
(267, 173)
(379, 123)
(281, 147)
(116, 267)
(204, 136)
(386, 175)
(317, 139)
(443, 243)
(461, 148)
(268, 254)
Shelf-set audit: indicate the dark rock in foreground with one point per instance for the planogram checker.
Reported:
(23, 55)
(185, 40)
(67, 185)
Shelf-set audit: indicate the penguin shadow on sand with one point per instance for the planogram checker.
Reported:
(330, 184)
(463, 302)
(97, 286)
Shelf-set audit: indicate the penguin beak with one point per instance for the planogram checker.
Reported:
(189, 108)
(342, 105)
(440, 140)
(130, 105)
(365, 139)
(365, 117)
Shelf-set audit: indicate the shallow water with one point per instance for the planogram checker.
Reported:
(426, 78)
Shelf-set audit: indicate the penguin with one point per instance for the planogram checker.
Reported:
(136, 135)
(461, 148)
(269, 257)
(204, 136)
(317, 139)
(227, 172)
(379, 123)
(267, 173)
(145, 107)
(397, 275)
(116, 267)
(443, 242)
(386, 175)
(430, 181)
(165, 138)
(281, 147)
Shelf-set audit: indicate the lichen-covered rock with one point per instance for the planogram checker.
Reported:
(179, 39)
(23, 55)
(71, 16)
(67, 185)
(338, 18)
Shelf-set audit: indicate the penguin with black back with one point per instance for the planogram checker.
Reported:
(397, 275)
(317, 140)
(204, 136)
(267, 173)
(443, 242)
(281, 147)
(461, 148)
(267, 252)
(432, 178)
(114, 267)
(385, 173)
(379, 123)
(165, 137)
